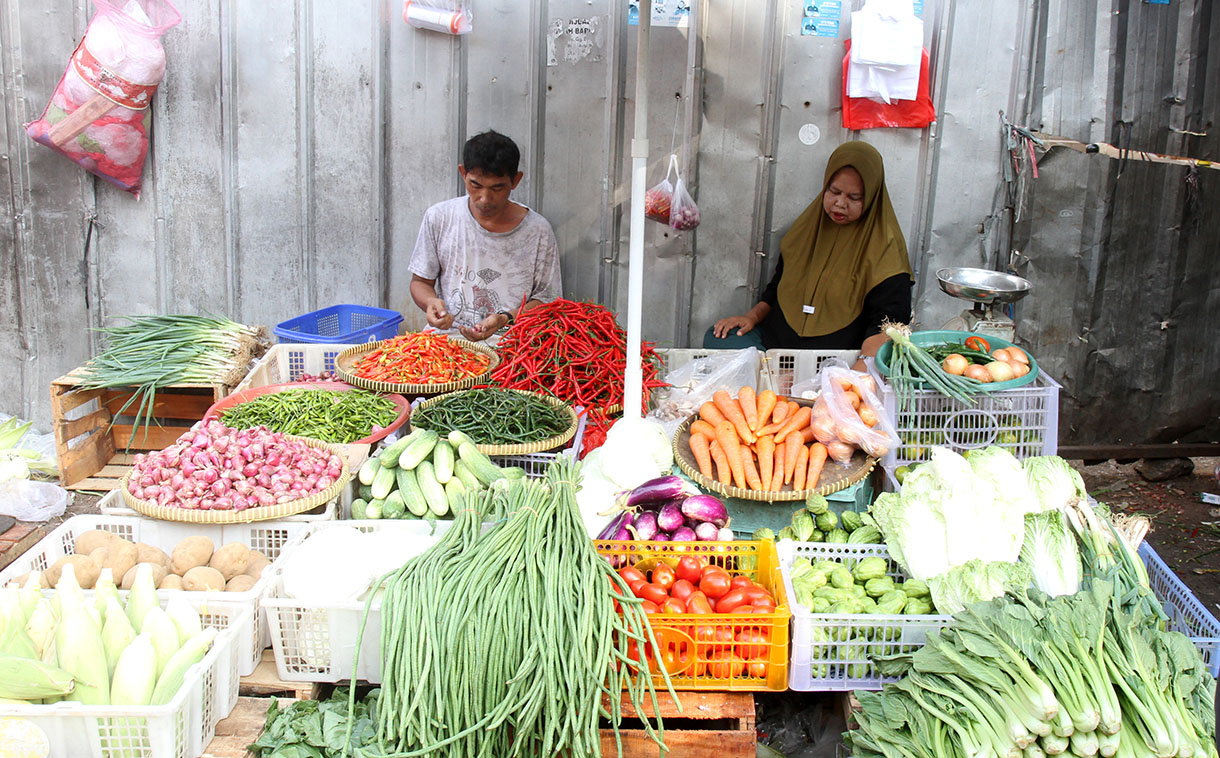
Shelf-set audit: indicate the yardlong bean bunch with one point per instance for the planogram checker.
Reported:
(494, 416)
(327, 415)
(502, 643)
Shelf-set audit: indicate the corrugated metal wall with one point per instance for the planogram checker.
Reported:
(297, 145)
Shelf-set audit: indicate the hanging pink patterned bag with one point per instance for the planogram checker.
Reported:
(98, 115)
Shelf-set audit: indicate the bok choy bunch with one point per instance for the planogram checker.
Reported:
(1036, 676)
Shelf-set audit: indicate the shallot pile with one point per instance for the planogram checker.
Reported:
(213, 467)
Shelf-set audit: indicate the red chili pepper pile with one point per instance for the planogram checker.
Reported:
(420, 358)
(574, 351)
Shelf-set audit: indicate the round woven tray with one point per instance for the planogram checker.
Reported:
(348, 358)
(258, 513)
(834, 476)
(237, 398)
(541, 446)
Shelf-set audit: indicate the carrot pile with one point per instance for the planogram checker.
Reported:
(759, 442)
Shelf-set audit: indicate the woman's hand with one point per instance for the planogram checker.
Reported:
(743, 324)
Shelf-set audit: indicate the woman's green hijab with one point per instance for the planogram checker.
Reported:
(833, 267)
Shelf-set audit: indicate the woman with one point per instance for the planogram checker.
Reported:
(843, 269)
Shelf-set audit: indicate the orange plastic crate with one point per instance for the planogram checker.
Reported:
(756, 560)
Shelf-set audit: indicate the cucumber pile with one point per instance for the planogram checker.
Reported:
(424, 475)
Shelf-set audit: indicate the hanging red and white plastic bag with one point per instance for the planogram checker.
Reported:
(658, 200)
(98, 115)
(867, 113)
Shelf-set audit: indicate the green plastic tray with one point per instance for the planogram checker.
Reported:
(942, 336)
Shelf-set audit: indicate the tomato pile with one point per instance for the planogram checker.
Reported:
(694, 587)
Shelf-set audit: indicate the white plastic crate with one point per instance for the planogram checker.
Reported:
(826, 647)
(785, 368)
(1187, 614)
(833, 652)
(182, 728)
(288, 362)
(113, 505)
(315, 641)
(268, 537)
(676, 357)
(1024, 421)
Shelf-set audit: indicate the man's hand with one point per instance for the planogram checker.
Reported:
(437, 315)
(485, 329)
(743, 324)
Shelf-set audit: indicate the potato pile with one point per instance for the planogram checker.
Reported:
(195, 564)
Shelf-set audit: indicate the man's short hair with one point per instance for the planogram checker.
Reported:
(491, 153)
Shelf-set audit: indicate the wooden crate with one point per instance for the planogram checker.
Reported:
(95, 453)
(241, 727)
(710, 725)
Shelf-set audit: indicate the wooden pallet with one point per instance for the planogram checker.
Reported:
(265, 681)
(710, 725)
(241, 727)
(95, 444)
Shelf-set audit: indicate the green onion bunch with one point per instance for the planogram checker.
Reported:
(911, 366)
(504, 637)
(151, 352)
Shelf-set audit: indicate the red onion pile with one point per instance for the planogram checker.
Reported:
(213, 467)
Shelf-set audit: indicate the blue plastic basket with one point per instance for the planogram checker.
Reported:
(347, 324)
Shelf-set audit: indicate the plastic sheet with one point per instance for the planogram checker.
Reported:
(25, 500)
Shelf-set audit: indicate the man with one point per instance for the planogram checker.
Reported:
(479, 257)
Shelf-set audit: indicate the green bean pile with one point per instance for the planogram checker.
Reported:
(326, 415)
(494, 416)
(502, 643)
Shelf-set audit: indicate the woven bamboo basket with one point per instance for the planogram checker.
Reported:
(834, 476)
(345, 361)
(258, 513)
(541, 446)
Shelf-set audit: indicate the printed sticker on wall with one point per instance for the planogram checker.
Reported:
(809, 134)
(821, 18)
(919, 8)
(664, 13)
(573, 40)
(824, 8)
(819, 27)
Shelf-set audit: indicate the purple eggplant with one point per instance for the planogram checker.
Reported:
(669, 518)
(725, 534)
(645, 525)
(683, 534)
(706, 532)
(705, 508)
(656, 491)
(614, 526)
(660, 537)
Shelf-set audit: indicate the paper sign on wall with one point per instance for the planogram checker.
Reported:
(664, 13)
(821, 18)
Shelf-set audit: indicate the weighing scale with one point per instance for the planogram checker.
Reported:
(990, 291)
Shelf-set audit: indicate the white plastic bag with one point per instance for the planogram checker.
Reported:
(32, 501)
(684, 214)
(694, 383)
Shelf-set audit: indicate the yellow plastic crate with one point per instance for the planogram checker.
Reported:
(700, 636)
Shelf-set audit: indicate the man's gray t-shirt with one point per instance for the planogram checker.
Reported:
(478, 272)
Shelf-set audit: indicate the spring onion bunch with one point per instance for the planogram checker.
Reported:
(503, 638)
(911, 366)
(151, 352)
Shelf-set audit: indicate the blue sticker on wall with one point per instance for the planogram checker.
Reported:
(824, 8)
(919, 8)
(819, 27)
(1157, 2)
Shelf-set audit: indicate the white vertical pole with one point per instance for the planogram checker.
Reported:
(633, 381)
